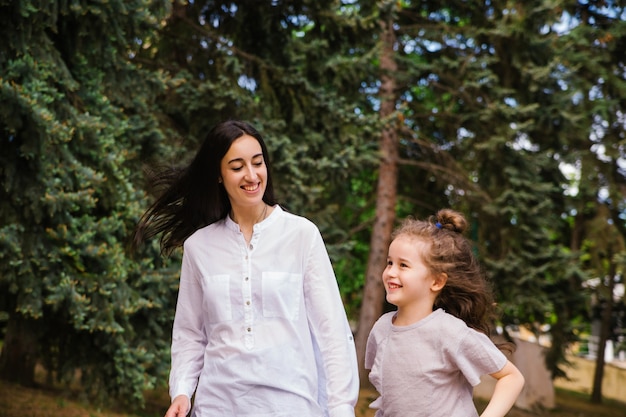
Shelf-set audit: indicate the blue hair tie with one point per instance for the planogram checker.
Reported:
(438, 225)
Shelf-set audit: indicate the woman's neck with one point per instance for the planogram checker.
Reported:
(247, 218)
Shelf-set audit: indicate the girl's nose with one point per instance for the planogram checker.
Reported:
(388, 271)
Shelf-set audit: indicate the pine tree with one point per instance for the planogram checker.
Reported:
(486, 120)
(295, 70)
(77, 116)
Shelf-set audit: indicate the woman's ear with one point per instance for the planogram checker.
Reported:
(439, 281)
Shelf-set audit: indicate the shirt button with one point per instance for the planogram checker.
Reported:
(249, 329)
(246, 278)
(247, 303)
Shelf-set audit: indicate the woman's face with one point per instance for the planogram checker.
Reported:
(244, 173)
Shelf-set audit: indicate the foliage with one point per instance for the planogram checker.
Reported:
(490, 95)
(296, 71)
(496, 103)
(92, 92)
(75, 116)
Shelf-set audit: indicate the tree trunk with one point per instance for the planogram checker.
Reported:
(386, 196)
(19, 352)
(605, 330)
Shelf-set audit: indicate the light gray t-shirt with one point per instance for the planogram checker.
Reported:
(428, 368)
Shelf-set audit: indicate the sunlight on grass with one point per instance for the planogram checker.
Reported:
(45, 402)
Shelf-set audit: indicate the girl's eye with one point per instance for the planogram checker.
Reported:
(236, 168)
(403, 265)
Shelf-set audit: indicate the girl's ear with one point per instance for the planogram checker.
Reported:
(439, 281)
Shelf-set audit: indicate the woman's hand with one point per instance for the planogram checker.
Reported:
(179, 407)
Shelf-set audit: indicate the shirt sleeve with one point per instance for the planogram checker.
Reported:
(188, 336)
(331, 331)
(477, 356)
(371, 348)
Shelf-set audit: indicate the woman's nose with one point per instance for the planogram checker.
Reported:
(251, 174)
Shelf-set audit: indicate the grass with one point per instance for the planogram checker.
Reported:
(17, 401)
(571, 404)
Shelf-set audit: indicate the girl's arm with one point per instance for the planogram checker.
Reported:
(509, 385)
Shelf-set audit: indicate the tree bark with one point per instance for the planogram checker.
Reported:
(386, 196)
(19, 352)
(605, 330)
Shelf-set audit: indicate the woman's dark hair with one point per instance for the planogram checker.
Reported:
(467, 294)
(193, 197)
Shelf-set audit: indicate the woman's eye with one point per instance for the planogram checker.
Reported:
(236, 168)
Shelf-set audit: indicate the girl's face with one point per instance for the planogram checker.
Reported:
(243, 172)
(408, 281)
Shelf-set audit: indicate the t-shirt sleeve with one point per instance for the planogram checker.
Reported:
(373, 340)
(371, 348)
(477, 356)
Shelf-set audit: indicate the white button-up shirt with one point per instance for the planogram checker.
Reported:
(260, 329)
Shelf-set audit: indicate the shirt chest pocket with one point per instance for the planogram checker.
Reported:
(217, 298)
(281, 294)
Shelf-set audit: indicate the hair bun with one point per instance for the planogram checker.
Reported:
(451, 220)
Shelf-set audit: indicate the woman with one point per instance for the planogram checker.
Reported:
(260, 328)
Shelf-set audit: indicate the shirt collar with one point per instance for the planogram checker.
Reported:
(276, 213)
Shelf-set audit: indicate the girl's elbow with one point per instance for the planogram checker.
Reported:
(521, 379)
(517, 379)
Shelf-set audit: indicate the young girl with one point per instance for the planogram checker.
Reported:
(426, 356)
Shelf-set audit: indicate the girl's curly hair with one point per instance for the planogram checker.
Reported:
(467, 293)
